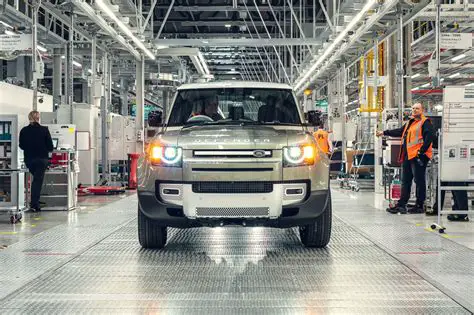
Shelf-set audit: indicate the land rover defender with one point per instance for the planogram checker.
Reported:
(234, 153)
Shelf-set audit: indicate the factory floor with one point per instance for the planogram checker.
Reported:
(89, 261)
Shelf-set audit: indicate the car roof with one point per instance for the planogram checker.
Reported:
(234, 84)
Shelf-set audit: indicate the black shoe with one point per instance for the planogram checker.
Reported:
(431, 213)
(397, 209)
(417, 209)
(458, 217)
(35, 209)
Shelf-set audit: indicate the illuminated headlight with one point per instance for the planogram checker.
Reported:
(298, 156)
(166, 156)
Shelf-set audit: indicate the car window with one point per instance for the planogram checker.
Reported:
(257, 105)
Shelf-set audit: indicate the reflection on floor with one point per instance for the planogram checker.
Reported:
(89, 261)
(35, 223)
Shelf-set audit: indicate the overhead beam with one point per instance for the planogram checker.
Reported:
(217, 8)
(223, 23)
(188, 35)
(226, 42)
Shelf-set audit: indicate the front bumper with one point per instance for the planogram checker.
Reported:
(182, 210)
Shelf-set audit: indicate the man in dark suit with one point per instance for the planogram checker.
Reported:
(36, 143)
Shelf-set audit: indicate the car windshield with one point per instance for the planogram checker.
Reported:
(230, 105)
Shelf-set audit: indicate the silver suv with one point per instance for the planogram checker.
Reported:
(234, 153)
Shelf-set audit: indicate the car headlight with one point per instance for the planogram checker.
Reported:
(165, 155)
(298, 155)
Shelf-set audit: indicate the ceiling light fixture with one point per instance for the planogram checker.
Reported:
(105, 8)
(41, 48)
(9, 32)
(228, 25)
(77, 64)
(415, 75)
(339, 38)
(459, 57)
(470, 84)
(5, 24)
(426, 85)
(454, 75)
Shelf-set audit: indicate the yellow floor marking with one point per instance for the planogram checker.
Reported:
(452, 236)
(8, 233)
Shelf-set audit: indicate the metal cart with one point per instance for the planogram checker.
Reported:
(15, 209)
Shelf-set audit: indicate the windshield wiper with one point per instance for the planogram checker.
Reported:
(279, 123)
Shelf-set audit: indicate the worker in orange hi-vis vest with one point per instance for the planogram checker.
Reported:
(322, 140)
(417, 149)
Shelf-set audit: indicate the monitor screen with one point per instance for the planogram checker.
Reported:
(55, 143)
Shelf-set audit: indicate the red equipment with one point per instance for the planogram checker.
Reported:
(100, 190)
(132, 170)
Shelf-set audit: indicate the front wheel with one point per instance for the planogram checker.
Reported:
(150, 234)
(318, 233)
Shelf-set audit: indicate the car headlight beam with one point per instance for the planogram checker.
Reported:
(166, 155)
(298, 155)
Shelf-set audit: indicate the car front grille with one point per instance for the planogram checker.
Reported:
(232, 212)
(232, 187)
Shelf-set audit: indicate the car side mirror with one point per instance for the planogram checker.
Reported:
(155, 119)
(314, 118)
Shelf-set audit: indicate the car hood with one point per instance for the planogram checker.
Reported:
(235, 137)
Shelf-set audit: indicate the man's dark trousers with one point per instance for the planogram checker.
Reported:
(37, 168)
(412, 170)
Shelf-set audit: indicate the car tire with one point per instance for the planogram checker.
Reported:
(150, 234)
(318, 233)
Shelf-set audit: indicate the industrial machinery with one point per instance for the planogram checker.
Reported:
(12, 179)
(87, 123)
(60, 179)
(234, 153)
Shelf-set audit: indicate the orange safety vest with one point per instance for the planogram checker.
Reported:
(414, 140)
(322, 139)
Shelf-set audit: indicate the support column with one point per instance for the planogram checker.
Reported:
(57, 77)
(124, 96)
(34, 54)
(140, 100)
(93, 81)
(400, 99)
(69, 84)
(103, 117)
(408, 38)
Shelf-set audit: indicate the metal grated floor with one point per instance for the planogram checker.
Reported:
(231, 270)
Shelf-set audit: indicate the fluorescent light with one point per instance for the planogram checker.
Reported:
(328, 51)
(459, 57)
(90, 71)
(118, 85)
(233, 70)
(41, 48)
(454, 75)
(415, 75)
(77, 64)
(9, 32)
(426, 85)
(7, 25)
(63, 57)
(105, 8)
(470, 84)
(227, 25)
